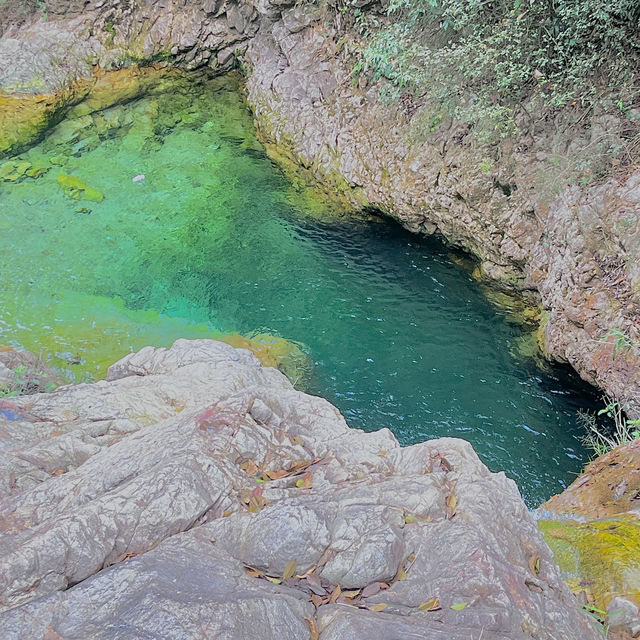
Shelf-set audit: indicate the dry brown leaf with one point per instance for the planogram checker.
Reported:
(227, 513)
(335, 594)
(306, 482)
(433, 604)
(253, 572)
(317, 600)
(299, 465)
(371, 590)
(275, 475)
(351, 594)
(306, 573)
(534, 564)
(57, 472)
(290, 569)
(312, 628)
(252, 468)
(452, 505)
(378, 607)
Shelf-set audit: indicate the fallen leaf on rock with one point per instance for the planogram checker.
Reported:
(351, 594)
(307, 573)
(460, 606)
(432, 604)
(335, 594)
(317, 601)
(534, 564)
(312, 628)
(57, 472)
(253, 572)
(378, 607)
(306, 482)
(289, 570)
(408, 519)
(452, 505)
(252, 468)
(275, 475)
(371, 590)
(274, 580)
(299, 465)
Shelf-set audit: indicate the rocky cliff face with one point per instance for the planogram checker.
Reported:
(573, 251)
(195, 493)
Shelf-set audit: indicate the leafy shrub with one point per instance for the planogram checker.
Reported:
(482, 58)
(600, 439)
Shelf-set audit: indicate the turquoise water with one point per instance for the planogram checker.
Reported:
(213, 239)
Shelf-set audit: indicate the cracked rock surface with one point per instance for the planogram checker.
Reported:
(196, 494)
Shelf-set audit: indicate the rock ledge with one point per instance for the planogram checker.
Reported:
(196, 494)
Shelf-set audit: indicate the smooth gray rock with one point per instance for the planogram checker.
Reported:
(160, 501)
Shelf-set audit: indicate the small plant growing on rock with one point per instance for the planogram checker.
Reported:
(600, 439)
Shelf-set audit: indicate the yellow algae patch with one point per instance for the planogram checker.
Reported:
(600, 558)
(86, 334)
(77, 189)
(24, 117)
(276, 352)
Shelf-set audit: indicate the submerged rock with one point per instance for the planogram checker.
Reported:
(24, 373)
(78, 189)
(195, 493)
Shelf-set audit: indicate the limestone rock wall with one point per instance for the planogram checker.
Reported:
(575, 251)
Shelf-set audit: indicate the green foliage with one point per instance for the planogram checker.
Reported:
(599, 615)
(482, 58)
(28, 380)
(600, 439)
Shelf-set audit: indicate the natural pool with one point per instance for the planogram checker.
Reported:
(214, 238)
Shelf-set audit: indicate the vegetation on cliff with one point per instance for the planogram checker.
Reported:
(484, 60)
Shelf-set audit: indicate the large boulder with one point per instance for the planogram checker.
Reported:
(197, 494)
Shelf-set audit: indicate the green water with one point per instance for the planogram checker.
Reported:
(214, 239)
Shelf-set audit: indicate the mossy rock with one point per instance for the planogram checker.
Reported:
(600, 558)
(77, 189)
(14, 171)
(276, 352)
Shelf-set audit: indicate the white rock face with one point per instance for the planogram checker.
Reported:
(130, 506)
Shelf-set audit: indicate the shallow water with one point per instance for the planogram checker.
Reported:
(214, 239)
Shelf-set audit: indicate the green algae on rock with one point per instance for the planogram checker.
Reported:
(595, 532)
(600, 558)
(78, 189)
